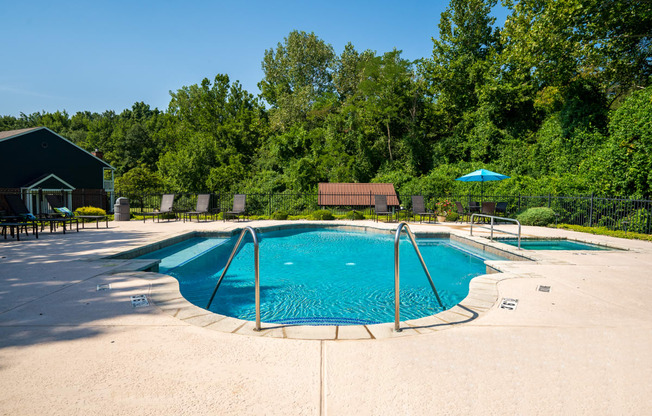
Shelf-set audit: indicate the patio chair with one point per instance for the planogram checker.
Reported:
(203, 202)
(488, 208)
(501, 209)
(461, 212)
(23, 214)
(380, 207)
(239, 207)
(167, 203)
(419, 208)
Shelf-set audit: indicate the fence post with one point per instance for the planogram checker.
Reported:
(519, 202)
(548, 199)
(591, 212)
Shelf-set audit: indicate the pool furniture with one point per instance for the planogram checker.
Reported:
(55, 203)
(167, 202)
(419, 208)
(461, 212)
(501, 209)
(97, 219)
(20, 210)
(488, 208)
(14, 228)
(203, 202)
(239, 207)
(380, 207)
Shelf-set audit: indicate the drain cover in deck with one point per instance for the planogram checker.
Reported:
(544, 289)
(509, 304)
(139, 301)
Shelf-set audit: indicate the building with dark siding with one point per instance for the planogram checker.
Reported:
(37, 161)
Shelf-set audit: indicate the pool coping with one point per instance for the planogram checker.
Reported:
(482, 297)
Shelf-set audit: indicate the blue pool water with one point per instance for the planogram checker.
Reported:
(321, 276)
(559, 244)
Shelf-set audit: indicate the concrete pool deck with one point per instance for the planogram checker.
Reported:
(584, 347)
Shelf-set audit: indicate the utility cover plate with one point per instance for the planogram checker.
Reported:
(139, 301)
(106, 286)
(544, 289)
(509, 304)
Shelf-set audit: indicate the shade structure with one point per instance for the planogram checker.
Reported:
(482, 176)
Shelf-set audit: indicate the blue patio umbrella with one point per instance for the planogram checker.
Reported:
(482, 176)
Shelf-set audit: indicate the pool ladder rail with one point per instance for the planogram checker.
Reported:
(256, 270)
(493, 217)
(397, 237)
(402, 226)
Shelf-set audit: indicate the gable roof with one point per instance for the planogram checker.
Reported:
(355, 194)
(50, 181)
(12, 134)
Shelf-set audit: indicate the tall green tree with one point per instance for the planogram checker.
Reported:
(296, 74)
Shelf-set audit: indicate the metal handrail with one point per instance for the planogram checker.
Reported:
(397, 238)
(256, 269)
(491, 236)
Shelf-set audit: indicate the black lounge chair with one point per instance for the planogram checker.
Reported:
(167, 203)
(419, 208)
(21, 212)
(239, 207)
(203, 203)
(60, 210)
(380, 207)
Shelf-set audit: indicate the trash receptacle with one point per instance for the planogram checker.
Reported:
(121, 209)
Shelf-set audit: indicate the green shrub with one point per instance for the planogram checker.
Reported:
(354, 215)
(452, 217)
(89, 211)
(280, 215)
(540, 216)
(322, 214)
(606, 231)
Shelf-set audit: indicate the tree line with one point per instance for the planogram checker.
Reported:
(559, 98)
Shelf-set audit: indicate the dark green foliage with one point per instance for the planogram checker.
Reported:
(540, 216)
(452, 217)
(280, 215)
(559, 99)
(322, 214)
(354, 215)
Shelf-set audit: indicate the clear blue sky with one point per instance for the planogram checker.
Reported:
(78, 56)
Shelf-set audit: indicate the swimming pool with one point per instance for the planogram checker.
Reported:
(552, 244)
(317, 276)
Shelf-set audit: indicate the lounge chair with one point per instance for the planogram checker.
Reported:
(239, 207)
(167, 203)
(419, 208)
(380, 207)
(61, 210)
(20, 211)
(461, 212)
(203, 202)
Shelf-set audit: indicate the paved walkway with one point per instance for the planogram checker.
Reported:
(66, 348)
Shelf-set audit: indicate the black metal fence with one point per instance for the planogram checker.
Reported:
(613, 213)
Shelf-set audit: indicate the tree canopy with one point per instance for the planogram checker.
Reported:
(559, 98)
